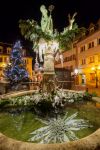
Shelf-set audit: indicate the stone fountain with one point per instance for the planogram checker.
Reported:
(47, 42)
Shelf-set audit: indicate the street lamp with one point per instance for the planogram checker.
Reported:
(95, 69)
(76, 71)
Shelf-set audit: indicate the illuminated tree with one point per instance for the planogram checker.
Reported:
(15, 71)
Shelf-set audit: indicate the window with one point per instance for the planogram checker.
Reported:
(82, 49)
(27, 61)
(66, 59)
(92, 44)
(98, 41)
(1, 59)
(8, 50)
(91, 59)
(5, 59)
(92, 76)
(99, 58)
(89, 46)
(1, 49)
(83, 62)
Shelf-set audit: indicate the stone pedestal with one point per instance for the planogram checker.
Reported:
(49, 73)
(48, 62)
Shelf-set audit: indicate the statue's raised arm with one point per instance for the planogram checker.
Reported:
(71, 20)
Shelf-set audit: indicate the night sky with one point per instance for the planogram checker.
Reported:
(11, 11)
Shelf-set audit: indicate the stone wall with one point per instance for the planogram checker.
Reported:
(91, 142)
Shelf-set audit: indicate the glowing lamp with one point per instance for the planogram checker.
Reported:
(76, 71)
(93, 68)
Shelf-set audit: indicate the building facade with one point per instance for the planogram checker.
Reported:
(88, 57)
(5, 50)
(84, 58)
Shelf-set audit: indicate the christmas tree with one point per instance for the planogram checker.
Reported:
(15, 72)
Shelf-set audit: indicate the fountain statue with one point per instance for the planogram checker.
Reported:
(46, 21)
(47, 41)
(48, 49)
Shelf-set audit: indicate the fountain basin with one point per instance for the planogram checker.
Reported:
(92, 142)
(83, 110)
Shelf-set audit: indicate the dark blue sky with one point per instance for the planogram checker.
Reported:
(11, 11)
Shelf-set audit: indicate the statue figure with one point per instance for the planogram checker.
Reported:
(46, 21)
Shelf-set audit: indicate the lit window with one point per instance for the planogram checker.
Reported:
(91, 59)
(27, 61)
(1, 49)
(99, 58)
(5, 59)
(92, 76)
(8, 50)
